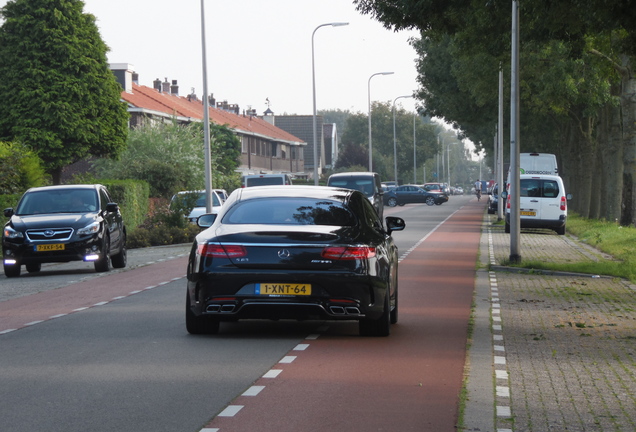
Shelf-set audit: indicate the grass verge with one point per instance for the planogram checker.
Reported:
(608, 237)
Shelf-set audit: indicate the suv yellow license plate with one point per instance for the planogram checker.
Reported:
(527, 213)
(282, 289)
(49, 247)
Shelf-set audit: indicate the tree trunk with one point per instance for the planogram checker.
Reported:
(628, 107)
(611, 157)
(56, 175)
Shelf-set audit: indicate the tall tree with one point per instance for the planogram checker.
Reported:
(59, 96)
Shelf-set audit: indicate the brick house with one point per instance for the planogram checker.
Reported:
(265, 148)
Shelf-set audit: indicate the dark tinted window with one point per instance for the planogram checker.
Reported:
(363, 184)
(58, 201)
(539, 188)
(289, 211)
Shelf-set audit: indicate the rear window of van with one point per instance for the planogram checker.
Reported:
(538, 188)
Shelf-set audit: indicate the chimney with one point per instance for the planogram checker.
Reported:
(123, 74)
(174, 88)
(165, 86)
(135, 78)
(156, 84)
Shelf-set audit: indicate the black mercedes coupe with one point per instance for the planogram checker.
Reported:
(294, 252)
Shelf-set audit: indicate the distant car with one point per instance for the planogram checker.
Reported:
(251, 180)
(493, 199)
(294, 252)
(432, 186)
(459, 190)
(61, 224)
(408, 194)
(542, 203)
(366, 182)
(198, 198)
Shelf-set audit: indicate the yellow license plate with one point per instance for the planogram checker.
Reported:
(282, 289)
(528, 213)
(49, 247)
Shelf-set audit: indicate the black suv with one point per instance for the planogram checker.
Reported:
(61, 224)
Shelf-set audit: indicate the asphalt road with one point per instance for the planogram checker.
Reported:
(110, 352)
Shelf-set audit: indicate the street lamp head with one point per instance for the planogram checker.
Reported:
(387, 73)
(339, 24)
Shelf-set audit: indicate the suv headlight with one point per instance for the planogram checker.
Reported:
(89, 230)
(10, 233)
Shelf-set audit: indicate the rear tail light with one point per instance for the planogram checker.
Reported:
(348, 253)
(221, 251)
(508, 201)
(564, 204)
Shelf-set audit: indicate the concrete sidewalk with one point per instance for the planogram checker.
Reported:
(561, 347)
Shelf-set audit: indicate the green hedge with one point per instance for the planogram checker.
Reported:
(132, 197)
(7, 201)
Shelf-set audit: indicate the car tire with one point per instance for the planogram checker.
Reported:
(12, 270)
(394, 311)
(102, 265)
(392, 202)
(34, 267)
(198, 325)
(430, 201)
(121, 259)
(560, 230)
(379, 327)
(507, 228)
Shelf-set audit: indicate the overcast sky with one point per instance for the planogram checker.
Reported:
(261, 49)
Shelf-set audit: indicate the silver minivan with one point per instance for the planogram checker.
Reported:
(542, 203)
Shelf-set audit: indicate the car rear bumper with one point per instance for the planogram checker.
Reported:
(343, 297)
(540, 223)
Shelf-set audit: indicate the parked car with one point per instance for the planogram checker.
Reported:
(61, 224)
(294, 252)
(251, 180)
(493, 199)
(542, 203)
(197, 198)
(432, 186)
(407, 194)
(366, 182)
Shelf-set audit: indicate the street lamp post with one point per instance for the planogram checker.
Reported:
(369, 95)
(313, 82)
(395, 139)
(206, 120)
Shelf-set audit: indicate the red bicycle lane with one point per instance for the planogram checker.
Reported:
(35, 308)
(410, 381)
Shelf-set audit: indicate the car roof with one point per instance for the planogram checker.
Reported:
(64, 187)
(293, 191)
(355, 173)
(540, 176)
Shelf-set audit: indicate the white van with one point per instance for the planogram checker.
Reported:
(266, 180)
(536, 163)
(542, 203)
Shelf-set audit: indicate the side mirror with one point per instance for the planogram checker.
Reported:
(8, 212)
(394, 224)
(206, 220)
(112, 207)
(504, 195)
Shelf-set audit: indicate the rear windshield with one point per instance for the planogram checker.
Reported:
(58, 201)
(364, 185)
(264, 181)
(193, 199)
(289, 211)
(539, 188)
